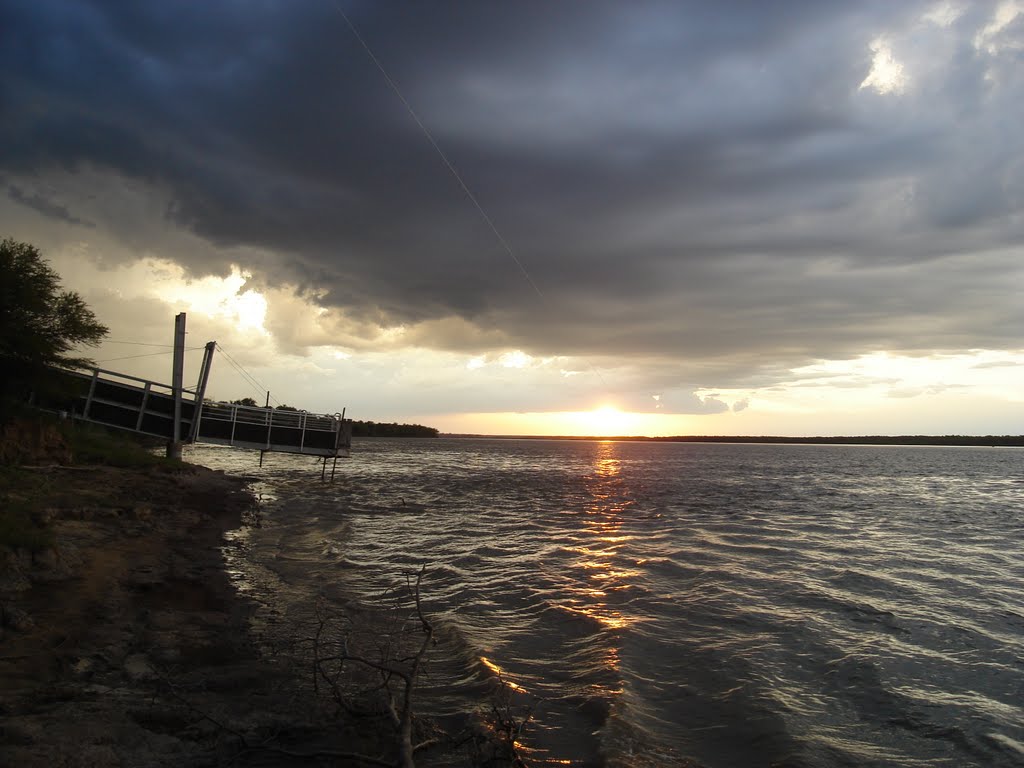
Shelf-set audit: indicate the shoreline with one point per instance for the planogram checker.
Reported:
(966, 441)
(126, 642)
(130, 602)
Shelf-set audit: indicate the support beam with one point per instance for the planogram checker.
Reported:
(204, 377)
(177, 375)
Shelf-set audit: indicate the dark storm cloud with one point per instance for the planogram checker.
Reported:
(45, 206)
(684, 181)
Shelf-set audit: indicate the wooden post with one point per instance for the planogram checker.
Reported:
(177, 375)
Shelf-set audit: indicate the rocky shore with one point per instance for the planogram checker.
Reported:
(106, 630)
(124, 642)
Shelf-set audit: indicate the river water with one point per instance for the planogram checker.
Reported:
(729, 605)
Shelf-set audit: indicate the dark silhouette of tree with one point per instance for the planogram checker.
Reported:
(247, 401)
(379, 429)
(40, 324)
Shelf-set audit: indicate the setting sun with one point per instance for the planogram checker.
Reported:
(607, 420)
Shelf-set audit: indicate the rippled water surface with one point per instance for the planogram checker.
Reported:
(733, 605)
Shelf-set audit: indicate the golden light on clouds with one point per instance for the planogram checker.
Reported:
(604, 421)
(316, 358)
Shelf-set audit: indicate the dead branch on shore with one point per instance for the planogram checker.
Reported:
(386, 674)
(244, 745)
(507, 722)
(368, 663)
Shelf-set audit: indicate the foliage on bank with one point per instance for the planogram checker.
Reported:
(31, 442)
(382, 429)
(40, 323)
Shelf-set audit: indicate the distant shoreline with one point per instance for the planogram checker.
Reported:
(991, 441)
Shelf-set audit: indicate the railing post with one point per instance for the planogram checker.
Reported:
(92, 390)
(177, 374)
(142, 408)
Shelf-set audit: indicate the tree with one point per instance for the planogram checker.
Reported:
(246, 401)
(40, 324)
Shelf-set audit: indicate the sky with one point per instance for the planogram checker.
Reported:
(735, 218)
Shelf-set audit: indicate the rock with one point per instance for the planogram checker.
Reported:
(143, 577)
(44, 516)
(94, 756)
(47, 559)
(138, 668)
(141, 512)
(16, 619)
(12, 576)
(21, 732)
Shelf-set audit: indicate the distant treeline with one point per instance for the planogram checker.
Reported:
(986, 440)
(379, 429)
(1011, 440)
(363, 428)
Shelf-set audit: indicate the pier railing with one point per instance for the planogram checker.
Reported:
(270, 429)
(147, 407)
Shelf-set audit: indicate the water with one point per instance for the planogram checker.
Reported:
(730, 605)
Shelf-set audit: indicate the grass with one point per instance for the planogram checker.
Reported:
(24, 494)
(91, 444)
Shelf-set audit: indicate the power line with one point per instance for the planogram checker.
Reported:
(137, 343)
(449, 165)
(252, 381)
(249, 378)
(437, 148)
(147, 354)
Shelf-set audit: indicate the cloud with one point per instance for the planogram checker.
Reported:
(45, 206)
(706, 196)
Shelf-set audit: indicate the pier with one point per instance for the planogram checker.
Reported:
(181, 415)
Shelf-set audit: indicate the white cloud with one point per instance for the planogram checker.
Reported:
(944, 14)
(515, 359)
(991, 38)
(886, 75)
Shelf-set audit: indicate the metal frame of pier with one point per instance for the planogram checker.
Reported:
(147, 407)
(178, 414)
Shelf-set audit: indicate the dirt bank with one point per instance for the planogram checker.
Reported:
(125, 643)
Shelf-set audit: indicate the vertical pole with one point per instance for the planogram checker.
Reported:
(270, 420)
(177, 374)
(142, 408)
(92, 391)
(204, 377)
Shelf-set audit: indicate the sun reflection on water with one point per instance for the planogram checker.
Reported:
(598, 573)
(502, 675)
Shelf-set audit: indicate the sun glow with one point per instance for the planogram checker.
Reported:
(605, 420)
